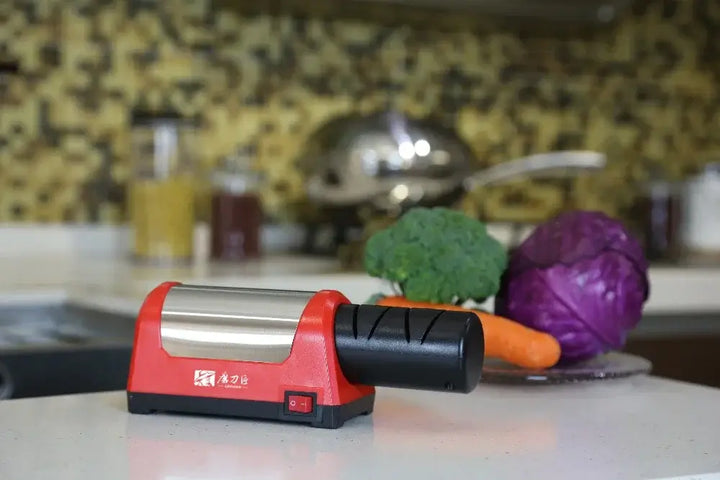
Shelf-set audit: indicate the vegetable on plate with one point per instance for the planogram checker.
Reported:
(440, 258)
(581, 277)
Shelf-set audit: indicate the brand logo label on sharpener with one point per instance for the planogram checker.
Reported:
(204, 378)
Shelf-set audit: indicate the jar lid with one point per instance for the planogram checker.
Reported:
(660, 188)
(235, 173)
(236, 182)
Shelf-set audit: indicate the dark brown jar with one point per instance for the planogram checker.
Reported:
(658, 212)
(236, 216)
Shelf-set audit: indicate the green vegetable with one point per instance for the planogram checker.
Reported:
(437, 255)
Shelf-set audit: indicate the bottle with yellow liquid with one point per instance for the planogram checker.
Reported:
(162, 190)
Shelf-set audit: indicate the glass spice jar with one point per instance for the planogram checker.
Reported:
(162, 188)
(236, 212)
(658, 210)
(700, 229)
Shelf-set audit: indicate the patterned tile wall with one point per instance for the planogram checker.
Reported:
(645, 91)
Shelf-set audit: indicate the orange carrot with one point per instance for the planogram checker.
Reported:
(504, 338)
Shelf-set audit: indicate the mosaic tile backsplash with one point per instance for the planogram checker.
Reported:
(644, 91)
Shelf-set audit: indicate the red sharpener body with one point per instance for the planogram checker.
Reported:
(302, 357)
(308, 387)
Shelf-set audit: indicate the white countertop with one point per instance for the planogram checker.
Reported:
(639, 428)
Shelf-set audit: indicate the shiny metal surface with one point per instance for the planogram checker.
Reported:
(386, 159)
(231, 323)
(393, 163)
(550, 164)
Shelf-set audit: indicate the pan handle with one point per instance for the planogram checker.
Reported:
(560, 163)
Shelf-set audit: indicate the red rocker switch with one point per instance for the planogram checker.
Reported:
(300, 404)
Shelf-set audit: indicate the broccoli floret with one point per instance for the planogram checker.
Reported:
(437, 255)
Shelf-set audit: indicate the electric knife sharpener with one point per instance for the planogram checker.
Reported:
(303, 357)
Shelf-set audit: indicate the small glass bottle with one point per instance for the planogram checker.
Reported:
(701, 215)
(162, 188)
(659, 213)
(236, 212)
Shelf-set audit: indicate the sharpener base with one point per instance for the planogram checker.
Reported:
(321, 416)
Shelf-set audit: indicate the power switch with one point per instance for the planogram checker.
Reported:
(300, 403)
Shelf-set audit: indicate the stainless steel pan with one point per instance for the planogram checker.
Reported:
(393, 163)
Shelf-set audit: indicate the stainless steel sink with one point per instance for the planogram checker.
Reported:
(55, 349)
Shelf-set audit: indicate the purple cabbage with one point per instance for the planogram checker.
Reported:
(580, 277)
